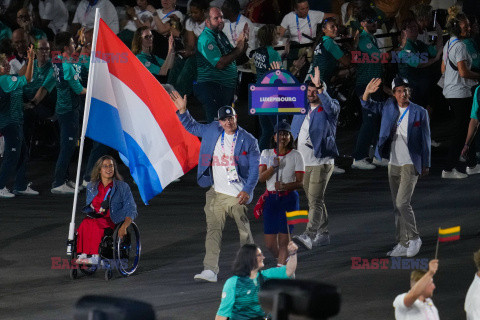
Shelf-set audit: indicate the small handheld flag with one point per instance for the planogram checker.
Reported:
(446, 235)
(295, 217)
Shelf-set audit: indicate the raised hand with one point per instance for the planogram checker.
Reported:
(316, 78)
(179, 102)
(373, 85)
(171, 43)
(276, 65)
(31, 52)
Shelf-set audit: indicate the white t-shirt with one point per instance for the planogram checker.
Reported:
(85, 14)
(399, 154)
(233, 29)
(290, 163)
(165, 18)
(222, 159)
(196, 27)
(454, 85)
(56, 12)
(16, 65)
(289, 22)
(418, 311)
(305, 146)
(472, 300)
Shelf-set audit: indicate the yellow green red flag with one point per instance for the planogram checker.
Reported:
(294, 217)
(449, 234)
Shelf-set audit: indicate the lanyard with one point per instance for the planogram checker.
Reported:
(106, 194)
(234, 31)
(166, 16)
(233, 142)
(450, 45)
(403, 115)
(298, 28)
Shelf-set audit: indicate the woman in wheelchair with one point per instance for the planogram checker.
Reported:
(109, 202)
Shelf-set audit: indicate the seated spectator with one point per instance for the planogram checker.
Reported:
(423, 16)
(53, 14)
(248, 277)
(194, 26)
(417, 303)
(85, 15)
(11, 128)
(472, 300)
(142, 47)
(235, 23)
(109, 202)
(20, 41)
(24, 21)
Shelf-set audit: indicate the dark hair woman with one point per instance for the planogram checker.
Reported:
(240, 292)
(109, 202)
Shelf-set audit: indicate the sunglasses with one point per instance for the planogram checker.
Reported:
(149, 37)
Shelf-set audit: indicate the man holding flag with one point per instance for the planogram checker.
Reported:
(228, 163)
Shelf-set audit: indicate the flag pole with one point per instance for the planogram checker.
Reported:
(438, 243)
(86, 112)
(288, 228)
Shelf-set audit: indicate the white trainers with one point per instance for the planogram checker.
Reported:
(304, 240)
(473, 170)
(71, 184)
(27, 192)
(321, 239)
(380, 163)
(435, 144)
(454, 174)
(81, 258)
(362, 165)
(398, 251)
(413, 247)
(337, 170)
(63, 189)
(206, 276)
(5, 193)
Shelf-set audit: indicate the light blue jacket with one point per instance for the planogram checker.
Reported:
(323, 126)
(246, 153)
(122, 204)
(418, 132)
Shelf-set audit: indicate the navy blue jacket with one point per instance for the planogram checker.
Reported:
(418, 134)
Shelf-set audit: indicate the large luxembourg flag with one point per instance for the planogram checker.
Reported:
(131, 112)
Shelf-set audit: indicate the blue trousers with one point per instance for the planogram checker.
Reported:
(68, 124)
(212, 96)
(15, 157)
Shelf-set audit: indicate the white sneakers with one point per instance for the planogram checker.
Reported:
(321, 239)
(473, 170)
(454, 174)
(304, 240)
(338, 170)
(401, 251)
(71, 184)
(27, 192)
(63, 189)
(5, 193)
(206, 276)
(362, 165)
(93, 260)
(380, 163)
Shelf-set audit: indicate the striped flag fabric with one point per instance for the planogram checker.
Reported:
(449, 234)
(295, 217)
(132, 113)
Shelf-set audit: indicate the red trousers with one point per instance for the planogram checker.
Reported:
(90, 234)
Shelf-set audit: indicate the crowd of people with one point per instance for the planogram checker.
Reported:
(348, 53)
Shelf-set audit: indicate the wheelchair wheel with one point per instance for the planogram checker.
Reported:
(126, 251)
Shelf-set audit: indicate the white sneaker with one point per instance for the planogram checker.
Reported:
(413, 247)
(473, 170)
(398, 251)
(81, 258)
(435, 144)
(321, 239)
(362, 165)
(337, 170)
(454, 174)
(27, 192)
(71, 184)
(63, 189)
(380, 163)
(206, 276)
(304, 240)
(5, 193)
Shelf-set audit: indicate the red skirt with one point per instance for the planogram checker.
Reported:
(90, 234)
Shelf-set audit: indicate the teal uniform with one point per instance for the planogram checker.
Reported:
(474, 52)
(240, 294)
(11, 99)
(211, 47)
(67, 76)
(5, 32)
(151, 62)
(263, 57)
(414, 53)
(42, 77)
(39, 34)
(475, 114)
(326, 57)
(369, 68)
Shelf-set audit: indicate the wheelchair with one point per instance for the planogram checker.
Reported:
(118, 254)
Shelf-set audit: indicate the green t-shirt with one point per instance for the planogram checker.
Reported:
(5, 32)
(67, 76)
(38, 34)
(11, 99)
(371, 67)
(42, 77)
(475, 107)
(414, 53)
(474, 52)
(326, 57)
(240, 295)
(211, 47)
(151, 62)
